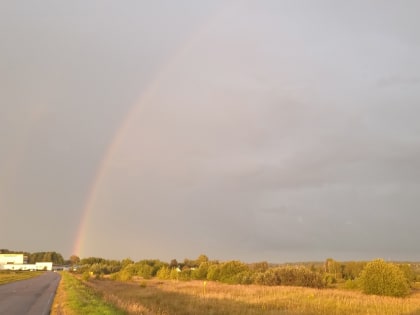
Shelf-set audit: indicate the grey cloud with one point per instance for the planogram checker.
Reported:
(398, 81)
(264, 130)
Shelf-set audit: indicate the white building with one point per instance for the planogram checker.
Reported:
(16, 262)
(11, 259)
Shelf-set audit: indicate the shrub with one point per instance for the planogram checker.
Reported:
(329, 279)
(125, 275)
(174, 274)
(144, 271)
(201, 272)
(86, 276)
(230, 270)
(269, 277)
(382, 278)
(352, 284)
(408, 272)
(290, 275)
(213, 273)
(164, 273)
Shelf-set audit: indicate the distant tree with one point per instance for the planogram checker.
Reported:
(382, 278)
(213, 272)
(54, 257)
(290, 276)
(259, 266)
(333, 267)
(200, 273)
(189, 263)
(92, 260)
(74, 260)
(173, 263)
(125, 262)
(145, 271)
(408, 271)
(164, 273)
(352, 269)
(174, 275)
(201, 259)
(227, 272)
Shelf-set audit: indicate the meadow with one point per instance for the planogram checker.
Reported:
(7, 276)
(74, 298)
(167, 297)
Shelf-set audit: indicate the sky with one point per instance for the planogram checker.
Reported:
(251, 130)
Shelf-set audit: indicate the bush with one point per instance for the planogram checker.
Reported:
(164, 273)
(86, 276)
(185, 274)
(213, 273)
(174, 275)
(290, 275)
(408, 272)
(144, 271)
(201, 272)
(382, 278)
(352, 284)
(123, 275)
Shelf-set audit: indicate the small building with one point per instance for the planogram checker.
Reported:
(17, 262)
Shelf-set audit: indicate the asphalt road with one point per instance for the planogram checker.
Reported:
(29, 297)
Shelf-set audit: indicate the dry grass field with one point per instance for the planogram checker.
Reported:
(178, 298)
(7, 276)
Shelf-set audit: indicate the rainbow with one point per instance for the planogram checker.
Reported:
(144, 99)
(107, 158)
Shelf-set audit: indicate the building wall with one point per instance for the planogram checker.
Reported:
(37, 266)
(18, 267)
(11, 259)
(43, 266)
(15, 262)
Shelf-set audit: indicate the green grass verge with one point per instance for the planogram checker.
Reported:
(80, 299)
(7, 276)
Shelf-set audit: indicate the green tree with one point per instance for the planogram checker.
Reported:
(74, 260)
(173, 263)
(54, 257)
(259, 266)
(290, 275)
(382, 278)
(230, 269)
(333, 268)
(126, 262)
(352, 269)
(201, 272)
(202, 259)
(408, 272)
(164, 273)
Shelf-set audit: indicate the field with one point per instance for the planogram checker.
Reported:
(195, 297)
(73, 298)
(7, 276)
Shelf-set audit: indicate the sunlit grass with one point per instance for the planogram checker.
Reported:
(74, 298)
(7, 276)
(171, 297)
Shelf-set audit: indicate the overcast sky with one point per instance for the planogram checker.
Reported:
(251, 130)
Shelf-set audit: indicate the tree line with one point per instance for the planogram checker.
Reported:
(375, 277)
(31, 258)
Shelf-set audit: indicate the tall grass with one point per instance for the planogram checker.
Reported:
(74, 298)
(7, 276)
(184, 298)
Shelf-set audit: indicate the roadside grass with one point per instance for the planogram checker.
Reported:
(7, 276)
(185, 298)
(73, 297)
